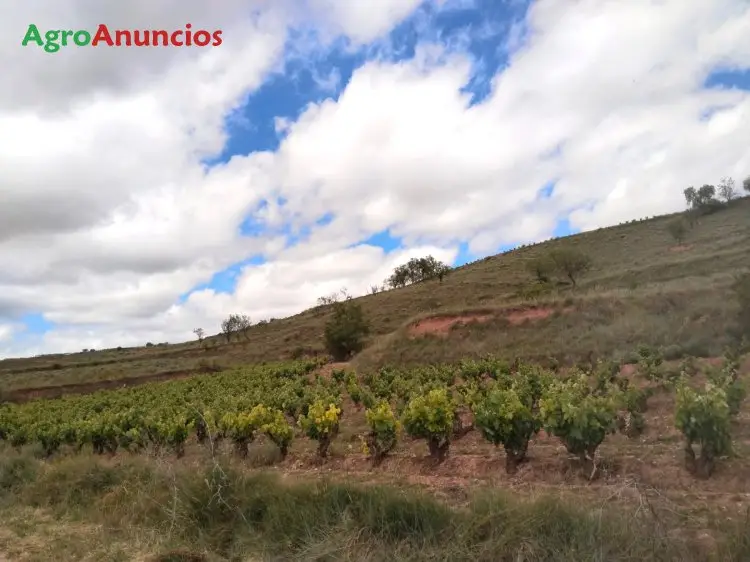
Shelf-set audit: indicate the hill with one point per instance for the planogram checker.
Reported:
(642, 288)
(188, 469)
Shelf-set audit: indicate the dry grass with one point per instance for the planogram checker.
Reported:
(645, 506)
(133, 508)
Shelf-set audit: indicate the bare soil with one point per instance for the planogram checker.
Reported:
(442, 325)
(681, 248)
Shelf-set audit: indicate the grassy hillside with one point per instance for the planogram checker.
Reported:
(642, 288)
(128, 475)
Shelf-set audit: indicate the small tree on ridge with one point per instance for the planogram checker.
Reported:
(572, 263)
(346, 330)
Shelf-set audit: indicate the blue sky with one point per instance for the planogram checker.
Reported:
(482, 30)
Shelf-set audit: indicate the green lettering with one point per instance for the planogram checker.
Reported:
(51, 45)
(32, 34)
(82, 38)
(65, 36)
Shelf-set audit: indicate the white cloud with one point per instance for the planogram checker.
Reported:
(362, 21)
(7, 331)
(107, 216)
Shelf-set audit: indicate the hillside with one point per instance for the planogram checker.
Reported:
(642, 288)
(228, 466)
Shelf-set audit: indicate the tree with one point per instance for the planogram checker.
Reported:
(691, 196)
(571, 263)
(678, 229)
(346, 330)
(541, 268)
(417, 270)
(230, 326)
(703, 199)
(243, 325)
(200, 334)
(236, 324)
(328, 300)
(727, 190)
(746, 184)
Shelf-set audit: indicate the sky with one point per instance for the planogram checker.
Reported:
(146, 192)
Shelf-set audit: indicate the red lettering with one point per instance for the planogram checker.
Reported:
(120, 34)
(164, 38)
(188, 35)
(175, 37)
(102, 34)
(202, 38)
(217, 38)
(139, 41)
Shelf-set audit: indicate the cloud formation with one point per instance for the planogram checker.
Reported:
(109, 214)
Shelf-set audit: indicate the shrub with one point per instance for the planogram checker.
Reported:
(505, 418)
(650, 363)
(277, 429)
(703, 418)
(354, 391)
(346, 330)
(384, 428)
(430, 416)
(581, 419)
(339, 375)
(678, 229)
(571, 263)
(634, 402)
(542, 268)
(241, 427)
(727, 378)
(321, 423)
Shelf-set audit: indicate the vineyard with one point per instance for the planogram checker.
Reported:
(507, 404)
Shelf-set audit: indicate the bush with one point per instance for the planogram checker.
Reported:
(241, 427)
(505, 418)
(346, 330)
(634, 401)
(542, 268)
(430, 416)
(650, 364)
(355, 392)
(276, 427)
(703, 418)
(581, 419)
(570, 263)
(678, 228)
(728, 379)
(321, 423)
(384, 428)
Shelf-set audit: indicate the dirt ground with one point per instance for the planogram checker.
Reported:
(442, 325)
